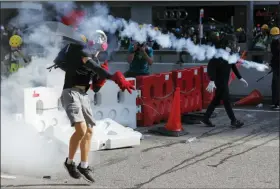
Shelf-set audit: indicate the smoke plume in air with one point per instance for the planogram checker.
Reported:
(101, 20)
(23, 150)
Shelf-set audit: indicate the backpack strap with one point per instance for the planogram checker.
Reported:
(55, 65)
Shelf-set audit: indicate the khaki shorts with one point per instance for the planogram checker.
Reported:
(77, 106)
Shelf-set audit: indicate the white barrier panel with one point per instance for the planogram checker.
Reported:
(41, 108)
(111, 102)
(107, 134)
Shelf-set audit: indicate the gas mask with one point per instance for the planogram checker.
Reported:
(230, 44)
(98, 41)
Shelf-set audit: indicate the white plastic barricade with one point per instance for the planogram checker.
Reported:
(111, 102)
(107, 134)
(41, 108)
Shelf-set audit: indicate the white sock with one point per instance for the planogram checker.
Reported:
(84, 164)
(69, 161)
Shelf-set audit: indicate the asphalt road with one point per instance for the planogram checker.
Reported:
(219, 157)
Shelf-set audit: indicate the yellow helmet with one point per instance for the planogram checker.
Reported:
(274, 31)
(84, 38)
(15, 41)
(264, 27)
(239, 30)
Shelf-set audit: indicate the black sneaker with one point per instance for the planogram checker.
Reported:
(86, 173)
(72, 170)
(207, 122)
(237, 124)
(275, 107)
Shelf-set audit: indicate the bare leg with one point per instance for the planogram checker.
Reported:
(85, 145)
(76, 138)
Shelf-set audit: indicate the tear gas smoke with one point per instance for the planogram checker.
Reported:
(23, 151)
(101, 20)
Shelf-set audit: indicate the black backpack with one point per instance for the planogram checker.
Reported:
(61, 60)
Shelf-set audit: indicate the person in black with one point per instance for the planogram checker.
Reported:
(218, 71)
(82, 69)
(275, 61)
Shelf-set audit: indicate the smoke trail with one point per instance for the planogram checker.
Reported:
(131, 29)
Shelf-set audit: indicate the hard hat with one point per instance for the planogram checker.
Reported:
(239, 30)
(84, 38)
(274, 31)
(264, 27)
(15, 41)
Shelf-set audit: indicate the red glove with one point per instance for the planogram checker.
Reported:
(99, 83)
(119, 79)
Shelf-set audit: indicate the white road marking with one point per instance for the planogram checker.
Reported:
(7, 177)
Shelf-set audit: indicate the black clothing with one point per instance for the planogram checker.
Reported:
(275, 88)
(275, 51)
(275, 61)
(218, 71)
(79, 73)
(222, 93)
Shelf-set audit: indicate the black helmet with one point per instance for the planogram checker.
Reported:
(230, 41)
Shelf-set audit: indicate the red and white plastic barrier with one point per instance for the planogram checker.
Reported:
(155, 94)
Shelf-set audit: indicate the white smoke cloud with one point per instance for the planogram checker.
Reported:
(23, 151)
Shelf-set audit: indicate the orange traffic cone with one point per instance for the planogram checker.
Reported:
(174, 125)
(254, 98)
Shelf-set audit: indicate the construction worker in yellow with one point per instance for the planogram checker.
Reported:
(15, 59)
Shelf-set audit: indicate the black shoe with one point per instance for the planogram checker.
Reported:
(72, 170)
(86, 173)
(237, 124)
(275, 107)
(207, 122)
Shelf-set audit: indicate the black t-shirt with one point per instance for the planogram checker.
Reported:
(275, 51)
(77, 75)
(219, 71)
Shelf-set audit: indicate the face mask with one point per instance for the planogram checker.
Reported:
(97, 46)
